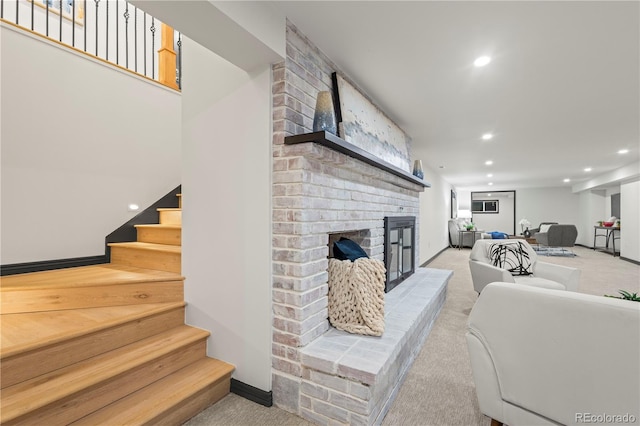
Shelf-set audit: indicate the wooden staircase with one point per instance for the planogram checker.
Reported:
(107, 344)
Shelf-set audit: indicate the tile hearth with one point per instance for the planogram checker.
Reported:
(354, 379)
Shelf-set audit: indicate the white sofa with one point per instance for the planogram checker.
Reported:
(546, 357)
(547, 275)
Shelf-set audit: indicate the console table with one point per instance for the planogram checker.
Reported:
(609, 235)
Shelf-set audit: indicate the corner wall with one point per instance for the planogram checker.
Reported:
(80, 141)
(226, 229)
(630, 228)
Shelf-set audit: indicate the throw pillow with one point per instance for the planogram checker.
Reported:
(346, 249)
(544, 228)
(513, 257)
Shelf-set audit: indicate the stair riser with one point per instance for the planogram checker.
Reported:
(17, 301)
(149, 259)
(86, 401)
(171, 236)
(170, 217)
(25, 366)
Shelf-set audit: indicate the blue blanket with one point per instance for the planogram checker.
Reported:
(495, 235)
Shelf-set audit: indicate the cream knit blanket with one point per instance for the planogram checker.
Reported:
(356, 295)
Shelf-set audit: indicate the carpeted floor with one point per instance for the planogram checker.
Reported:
(439, 389)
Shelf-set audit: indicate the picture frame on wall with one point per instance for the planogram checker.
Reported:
(63, 7)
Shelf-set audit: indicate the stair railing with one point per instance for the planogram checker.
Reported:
(112, 30)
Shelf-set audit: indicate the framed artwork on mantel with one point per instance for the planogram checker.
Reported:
(364, 125)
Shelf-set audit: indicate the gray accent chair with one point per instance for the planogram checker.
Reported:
(558, 235)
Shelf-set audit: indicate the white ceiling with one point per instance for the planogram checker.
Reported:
(561, 93)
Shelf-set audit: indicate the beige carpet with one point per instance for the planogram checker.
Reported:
(439, 387)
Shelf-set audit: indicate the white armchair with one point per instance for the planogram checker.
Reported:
(544, 357)
(546, 275)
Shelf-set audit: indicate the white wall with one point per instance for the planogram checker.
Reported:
(80, 141)
(553, 204)
(435, 211)
(592, 209)
(226, 237)
(629, 223)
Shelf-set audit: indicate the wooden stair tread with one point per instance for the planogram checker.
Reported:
(149, 246)
(169, 209)
(145, 405)
(85, 276)
(159, 225)
(24, 332)
(57, 385)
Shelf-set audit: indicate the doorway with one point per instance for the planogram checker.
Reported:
(494, 211)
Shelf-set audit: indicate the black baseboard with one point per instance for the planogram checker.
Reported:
(252, 393)
(433, 258)
(47, 265)
(626, 259)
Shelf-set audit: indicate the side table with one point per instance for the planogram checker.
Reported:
(609, 237)
(461, 233)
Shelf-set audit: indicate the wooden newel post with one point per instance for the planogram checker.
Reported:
(167, 58)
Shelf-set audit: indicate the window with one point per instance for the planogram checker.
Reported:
(484, 206)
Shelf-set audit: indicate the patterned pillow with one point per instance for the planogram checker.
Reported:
(513, 257)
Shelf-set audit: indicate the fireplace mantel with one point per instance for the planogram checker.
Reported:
(338, 144)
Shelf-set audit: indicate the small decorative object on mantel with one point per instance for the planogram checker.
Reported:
(417, 169)
(325, 114)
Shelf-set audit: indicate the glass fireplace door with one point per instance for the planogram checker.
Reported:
(399, 249)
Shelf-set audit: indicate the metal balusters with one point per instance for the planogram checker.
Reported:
(117, 35)
(179, 64)
(47, 18)
(73, 12)
(73, 23)
(153, 46)
(126, 34)
(144, 25)
(135, 38)
(106, 35)
(97, 2)
(60, 22)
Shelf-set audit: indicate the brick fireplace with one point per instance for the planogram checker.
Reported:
(318, 194)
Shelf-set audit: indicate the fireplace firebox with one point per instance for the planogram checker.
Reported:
(399, 249)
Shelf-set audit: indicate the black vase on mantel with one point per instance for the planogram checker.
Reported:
(527, 233)
(325, 115)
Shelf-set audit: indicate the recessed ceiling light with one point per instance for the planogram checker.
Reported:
(487, 136)
(566, 180)
(489, 174)
(489, 195)
(488, 162)
(133, 207)
(490, 183)
(587, 169)
(623, 151)
(482, 61)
